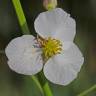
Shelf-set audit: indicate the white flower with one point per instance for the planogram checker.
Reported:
(55, 52)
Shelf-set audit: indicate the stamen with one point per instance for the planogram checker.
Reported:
(50, 47)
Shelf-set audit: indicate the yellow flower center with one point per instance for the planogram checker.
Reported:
(50, 47)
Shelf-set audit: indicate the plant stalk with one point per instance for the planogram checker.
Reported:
(87, 91)
(45, 89)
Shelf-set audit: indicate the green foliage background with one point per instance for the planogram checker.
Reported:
(84, 12)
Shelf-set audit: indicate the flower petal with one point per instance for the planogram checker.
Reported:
(55, 23)
(63, 68)
(18, 45)
(29, 66)
(23, 55)
(66, 45)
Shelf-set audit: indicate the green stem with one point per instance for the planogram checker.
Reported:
(21, 16)
(25, 30)
(45, 90)
(87, 91)
(35, 79)
(45, 85)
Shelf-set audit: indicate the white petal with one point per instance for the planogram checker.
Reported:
(66, 45)
(72, 51)
(17, 46)
(23, 56)
(62, 69)
(67, 31)
(56, 23)
(27, 66)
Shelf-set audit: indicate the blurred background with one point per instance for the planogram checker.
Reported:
(84, 12)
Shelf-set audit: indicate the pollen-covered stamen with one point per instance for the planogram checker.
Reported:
(50, 47)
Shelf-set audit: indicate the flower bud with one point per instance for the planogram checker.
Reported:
(49, 4)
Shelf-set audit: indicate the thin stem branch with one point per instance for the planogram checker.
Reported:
(47, 90)
(21, 16)
(45, 85)
(87, 91)
(25, 30)
(35, 79)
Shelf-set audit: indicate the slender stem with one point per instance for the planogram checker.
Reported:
(45, 85)
(87, 91)
(21, 16)
(35, 79)
(25, 30)
(47, 90)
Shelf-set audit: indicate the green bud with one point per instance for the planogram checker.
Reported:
(50, 4)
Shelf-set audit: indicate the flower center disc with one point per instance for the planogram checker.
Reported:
(50, 47)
